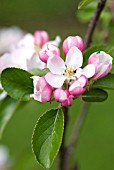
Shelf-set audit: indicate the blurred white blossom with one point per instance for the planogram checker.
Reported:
(9, 37)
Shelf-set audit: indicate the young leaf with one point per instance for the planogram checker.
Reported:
(47, 137)
(39, 72)
(84, 3)
(95, 95)
(106, 82)
(17, 83)
(7, 108)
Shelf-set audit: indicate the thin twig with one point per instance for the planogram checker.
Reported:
(85, 107)
(66, 152)
(93, 23)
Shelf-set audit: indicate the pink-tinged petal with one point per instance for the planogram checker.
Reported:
(103, 71)
(77, 87)
(63, 96)
(56, 65)
(68, 102)
(49, 50)
(104, 58)
(40, 37)
(83, 81)
(102, 62)
(74, 58)
(77, 91)
(52, 50)
(55, 80)
(42, 90)
(60, 95)
(89, 71)
(74, 85)
(72, 41)
(46, 93)
(93, 59)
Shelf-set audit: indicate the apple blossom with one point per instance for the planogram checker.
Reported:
(48, 50)
(63, 96)
(24, 55)
(73, 41)
(42, 90)
(9, 37)
(40, 38)
(102, 62)
(61, 71)
(78, 86)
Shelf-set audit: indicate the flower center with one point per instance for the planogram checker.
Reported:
(69, 72)
(36, 48)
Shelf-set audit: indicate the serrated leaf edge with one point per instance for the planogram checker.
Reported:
(18, 98)
(52, 134)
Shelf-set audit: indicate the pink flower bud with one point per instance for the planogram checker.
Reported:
(48, 51)
(102, 62)
(63, 96)
(42, 90)
(73, 41)
(78, 86)
(40, 38)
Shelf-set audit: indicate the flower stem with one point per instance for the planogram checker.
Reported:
(78, 126)
(63, 163)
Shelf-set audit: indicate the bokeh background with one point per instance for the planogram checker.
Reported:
(95, 148)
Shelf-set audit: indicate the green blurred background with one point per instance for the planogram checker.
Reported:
(95, 149)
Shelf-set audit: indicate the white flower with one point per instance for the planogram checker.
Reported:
(61, 71)
(9, 37)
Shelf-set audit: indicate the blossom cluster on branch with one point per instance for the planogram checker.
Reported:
(65, 80)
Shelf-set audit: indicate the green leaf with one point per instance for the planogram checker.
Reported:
(97, 48)
(17, 83)
(106, 82)
(95, 95)
(7, 109)
(84, 3)
(47, 137)
(39, 72)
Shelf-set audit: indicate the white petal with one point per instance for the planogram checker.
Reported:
(101, 71)
(27, 41)
(74, 58)
(55, 80)
(74, 85)
(35, 62)
(105, 58)
(89, 70)
(78, 72)
(56, 65)
(82, 80)
(55, 42)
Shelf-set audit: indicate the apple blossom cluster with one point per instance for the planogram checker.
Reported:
(22, 50)
(66, 80)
